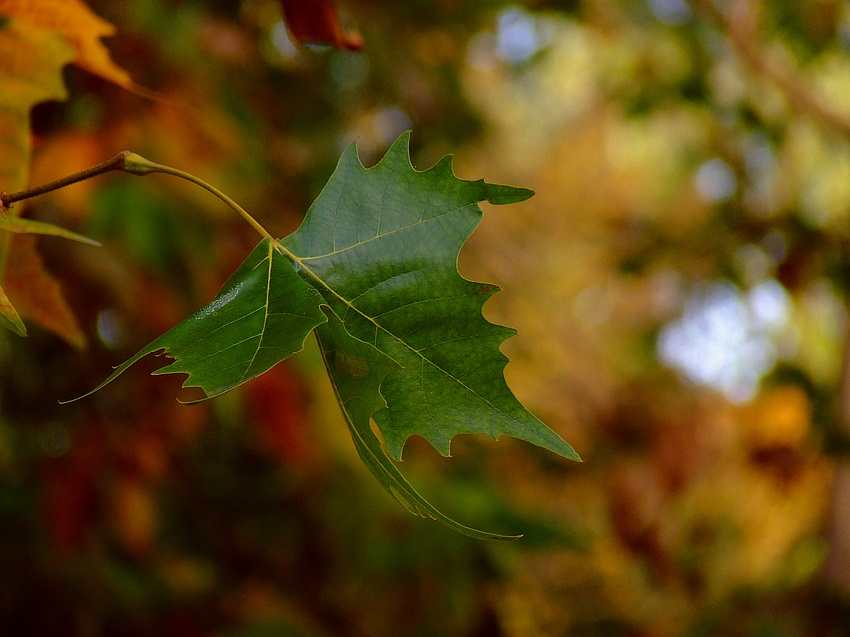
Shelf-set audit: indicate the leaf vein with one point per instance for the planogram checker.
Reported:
(388, 233)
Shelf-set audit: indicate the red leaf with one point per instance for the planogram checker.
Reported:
(317, 22)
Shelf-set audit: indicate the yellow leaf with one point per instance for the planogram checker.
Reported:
(31, 60)
(80, 27)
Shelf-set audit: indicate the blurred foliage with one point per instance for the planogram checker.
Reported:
(679, 283)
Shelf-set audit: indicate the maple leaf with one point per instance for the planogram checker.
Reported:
(31, 59)
(37, 39)
(79, 26)
(373, 269)
(381, 246)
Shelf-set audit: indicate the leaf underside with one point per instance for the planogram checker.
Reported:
(260, 316)
(373, 269)
(381, 246)
(357, 370)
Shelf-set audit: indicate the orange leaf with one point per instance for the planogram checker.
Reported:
(35, 293)
(31, 60)
(80, 27)
(317, 22)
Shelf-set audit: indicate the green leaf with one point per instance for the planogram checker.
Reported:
(357, 370)
(381, 246)
(373, 268)
(260, 316)
(9, 317)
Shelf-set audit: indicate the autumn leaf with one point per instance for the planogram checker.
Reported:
(31, 59)
(30, 279)
(36, 294)
(79, 26)
(318, 22)
(37, 39)
(373, 268)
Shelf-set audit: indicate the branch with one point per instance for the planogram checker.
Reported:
(135, 165)
(740, 23)
(116, 163)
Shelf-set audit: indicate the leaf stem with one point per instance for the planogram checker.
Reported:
(135, 165)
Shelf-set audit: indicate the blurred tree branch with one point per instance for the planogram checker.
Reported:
(740, 23)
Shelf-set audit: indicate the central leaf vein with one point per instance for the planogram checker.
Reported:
(265, 307)
(301, 262)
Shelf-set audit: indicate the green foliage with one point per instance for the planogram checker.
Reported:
(374, 268)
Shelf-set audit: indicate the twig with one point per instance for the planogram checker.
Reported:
(135, 165)
(116, 163)
(740, 24)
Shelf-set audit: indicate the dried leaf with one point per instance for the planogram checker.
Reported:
(36, 294)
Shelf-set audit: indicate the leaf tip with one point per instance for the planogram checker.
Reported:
(16, 327)
(503, 195)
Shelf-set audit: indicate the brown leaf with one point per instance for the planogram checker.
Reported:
(35, 293)
(317, 22)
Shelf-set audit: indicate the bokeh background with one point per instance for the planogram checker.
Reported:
(679, 282)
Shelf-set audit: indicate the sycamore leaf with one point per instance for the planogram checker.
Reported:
(36, 293)
(373, 269)
(260, 316)
(381, 245)
(357, 370)
(9, 317)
